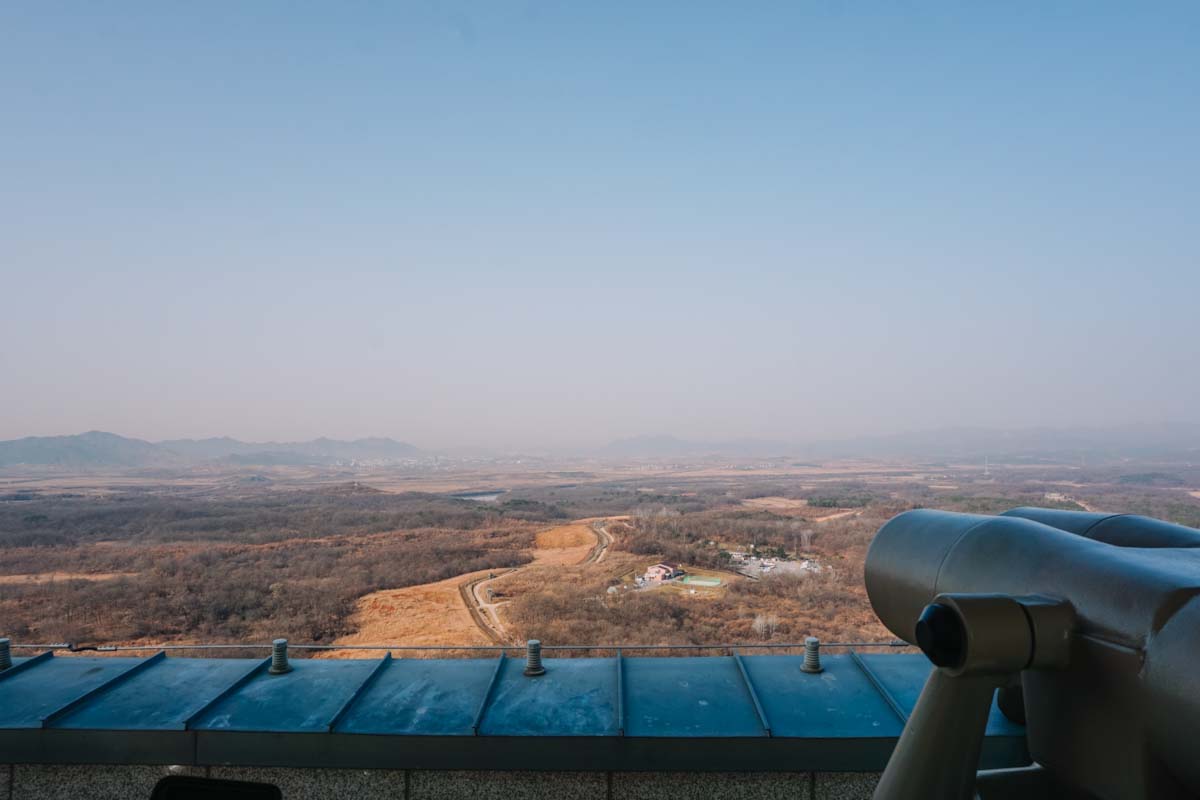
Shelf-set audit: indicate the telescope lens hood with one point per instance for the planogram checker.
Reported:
(942, 636)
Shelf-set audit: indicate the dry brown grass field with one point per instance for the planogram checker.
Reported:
(440, 613)
(564, 544)
(776, 504)
(52, 577)
(428, 614)
(308, 554)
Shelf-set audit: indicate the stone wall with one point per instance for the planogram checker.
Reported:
(62, 782)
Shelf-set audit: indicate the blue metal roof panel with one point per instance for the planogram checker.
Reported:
(303, 700)
(696, 696)
(655, 697)
(678, 713)
(904, 678)
(422, 697)
(161, 697)
(576, 697)
(32, 695)
(840, 701)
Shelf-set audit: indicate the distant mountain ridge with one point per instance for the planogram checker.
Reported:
(91, 448)
(358, 449)
(101, 449)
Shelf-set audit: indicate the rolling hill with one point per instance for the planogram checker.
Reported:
(98, 449)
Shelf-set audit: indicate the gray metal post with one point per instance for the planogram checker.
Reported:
(533, 658)
(812, 655)
(279, 657)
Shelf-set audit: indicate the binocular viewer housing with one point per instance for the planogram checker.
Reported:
(1095, 617)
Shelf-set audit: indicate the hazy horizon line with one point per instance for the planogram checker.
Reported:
(661, 436)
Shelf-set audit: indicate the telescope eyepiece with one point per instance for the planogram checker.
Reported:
(994, 634)
(942, 636)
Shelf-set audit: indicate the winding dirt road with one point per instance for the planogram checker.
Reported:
(604, 541)
(483, 612)
(475, 591)
(456, 611)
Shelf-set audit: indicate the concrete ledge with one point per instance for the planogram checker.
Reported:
(105, 782)
(87, 782)
(322, 784)
(844, 785)
(439, 785)
(702, 786)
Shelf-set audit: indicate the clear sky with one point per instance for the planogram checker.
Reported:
(553, 223)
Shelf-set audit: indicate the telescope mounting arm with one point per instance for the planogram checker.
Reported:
(976, 642)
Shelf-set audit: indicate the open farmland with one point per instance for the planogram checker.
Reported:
(246, 559)
(170, 568)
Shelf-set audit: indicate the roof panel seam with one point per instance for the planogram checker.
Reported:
(40, 658)
(226, 692)
(360, 691)
(487, 695)
(91, 694)
(879, 687)
(758, 708)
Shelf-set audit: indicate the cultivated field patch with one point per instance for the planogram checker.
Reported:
(775, 503)
(52, 577)
(577, 534)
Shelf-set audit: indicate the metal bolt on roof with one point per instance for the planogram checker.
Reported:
(279, 657)
(812, 655)
(533, 658)
(5, 654)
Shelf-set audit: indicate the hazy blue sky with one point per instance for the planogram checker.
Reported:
(550, 223)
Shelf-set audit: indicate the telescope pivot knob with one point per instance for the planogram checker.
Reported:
(994, 634)
(941, 636)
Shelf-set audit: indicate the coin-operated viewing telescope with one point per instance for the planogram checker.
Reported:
(1088, 623)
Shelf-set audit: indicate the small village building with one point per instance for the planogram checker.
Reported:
(662, 572)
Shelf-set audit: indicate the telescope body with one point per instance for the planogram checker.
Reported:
(1119, 717)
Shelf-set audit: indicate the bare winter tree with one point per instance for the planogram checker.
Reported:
(765, 625)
